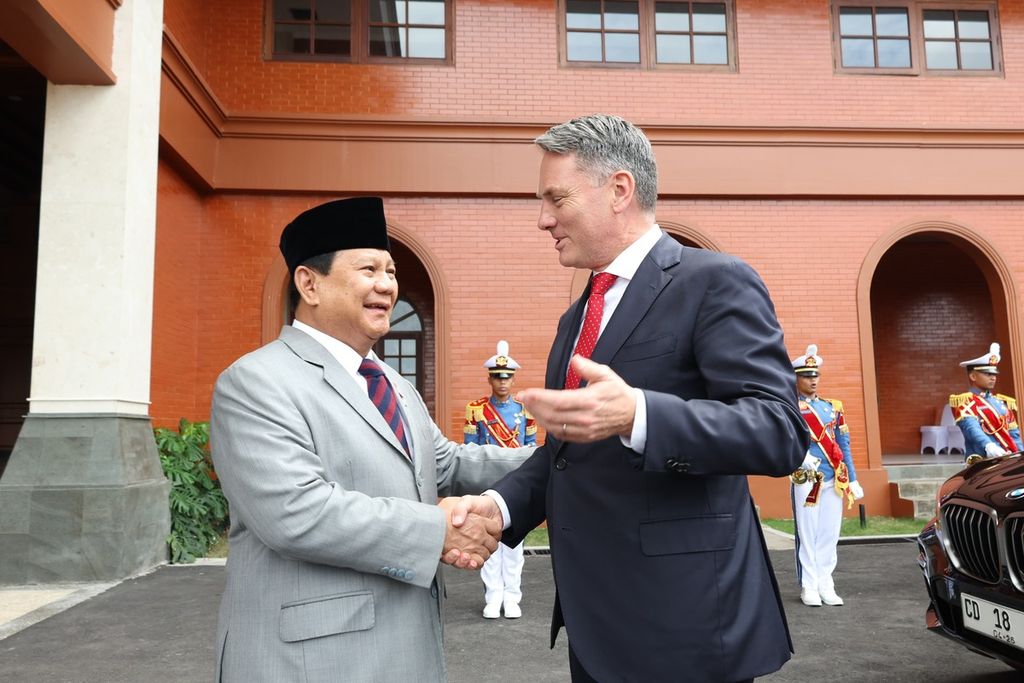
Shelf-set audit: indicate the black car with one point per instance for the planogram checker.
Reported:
(972, 556)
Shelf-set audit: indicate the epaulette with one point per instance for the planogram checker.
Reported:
(1011, 402)
(837, 405)
(960, 400)
(475, 410)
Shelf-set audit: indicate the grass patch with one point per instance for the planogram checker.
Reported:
(877, 526)
(537, 537)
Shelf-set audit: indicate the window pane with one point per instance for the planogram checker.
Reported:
(858, 52)
(583, 14)
(408, 366)
(583, 47)
(622, 47)
(391, 347)
(334, 11)
(710, 50)
(855, 21)
(387, 11)
(973, 24)
(333, 40)
(621, 15)
(291, 38)
(976, 56)
(429, 12)
(291, 10)
(892, 21)
(426, 43)
(938, 24)
(672, 49)
(672, 16)
(408, 347)
(708, 18)
(940, 54)
(894, 54)
(386, 41)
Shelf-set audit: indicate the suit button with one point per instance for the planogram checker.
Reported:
(393, 572)
(561, 464)
(409, 574)
(385, 570)
(433, 590)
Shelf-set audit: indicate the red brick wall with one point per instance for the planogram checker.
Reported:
(176, 301)
(506, 67)
(931, 309)
(189, 22)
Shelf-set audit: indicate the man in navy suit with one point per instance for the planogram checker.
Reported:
(660, 566)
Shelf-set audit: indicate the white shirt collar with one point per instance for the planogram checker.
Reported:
(628, 262)
(346, 356)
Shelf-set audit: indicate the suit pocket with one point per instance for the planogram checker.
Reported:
(326, 616)
(688, 535)
(648, 348)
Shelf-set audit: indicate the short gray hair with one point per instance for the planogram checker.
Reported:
(604, 144)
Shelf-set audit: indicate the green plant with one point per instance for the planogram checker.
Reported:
(199, 510)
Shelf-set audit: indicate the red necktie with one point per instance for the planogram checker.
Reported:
(383, 396)
(600, 284)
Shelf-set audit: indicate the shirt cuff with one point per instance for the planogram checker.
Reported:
(506, 522)
(637, 440)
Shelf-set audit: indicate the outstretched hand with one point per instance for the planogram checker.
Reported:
(603, 408)
(473, 531)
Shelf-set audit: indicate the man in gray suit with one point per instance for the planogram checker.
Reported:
(332, 467)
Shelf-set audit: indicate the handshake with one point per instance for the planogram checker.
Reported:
(473, 530)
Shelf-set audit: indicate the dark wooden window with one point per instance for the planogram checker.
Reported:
(958, 39)
(647, 33)
(359, 30)
(402, 346)
(916, 38)
(871, 37)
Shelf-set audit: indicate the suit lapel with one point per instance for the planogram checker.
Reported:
(309, 350)
(561, 350)
(643, 289)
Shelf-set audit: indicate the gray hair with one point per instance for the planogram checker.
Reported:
(604, 144)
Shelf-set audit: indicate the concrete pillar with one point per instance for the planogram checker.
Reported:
(83, 496)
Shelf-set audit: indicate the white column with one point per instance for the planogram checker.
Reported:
(94, 290)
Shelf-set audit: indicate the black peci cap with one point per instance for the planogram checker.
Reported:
(356, 223)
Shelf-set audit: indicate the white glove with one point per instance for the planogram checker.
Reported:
(994, 450)
(856, 490)
(810, 462)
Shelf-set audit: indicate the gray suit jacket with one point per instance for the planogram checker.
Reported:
(335, 534)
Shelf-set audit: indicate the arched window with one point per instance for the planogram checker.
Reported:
(402, 346)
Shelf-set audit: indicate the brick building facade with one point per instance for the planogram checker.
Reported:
(882, 205)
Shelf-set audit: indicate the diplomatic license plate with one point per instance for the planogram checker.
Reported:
(995, 621)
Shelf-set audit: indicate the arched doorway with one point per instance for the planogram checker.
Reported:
(937, 295)
(22, 105)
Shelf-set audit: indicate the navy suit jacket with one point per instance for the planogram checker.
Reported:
(660, 566)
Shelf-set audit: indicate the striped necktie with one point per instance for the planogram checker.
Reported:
(383, 396)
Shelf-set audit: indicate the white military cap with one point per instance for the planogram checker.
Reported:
(501, 364)
(986, 363)
(808, 363)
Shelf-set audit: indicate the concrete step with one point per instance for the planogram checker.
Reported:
(924, 507)
(907, 472)
(919, 488)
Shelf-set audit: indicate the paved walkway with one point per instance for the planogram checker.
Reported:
(159, 627)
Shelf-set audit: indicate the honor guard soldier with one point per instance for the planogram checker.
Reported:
(500, 419)
(820, 486)
(988, 421)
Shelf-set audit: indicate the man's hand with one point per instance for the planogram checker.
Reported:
(473, 532)
(856, 490)
(605, 407)
(994, 450)
(810, 462)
